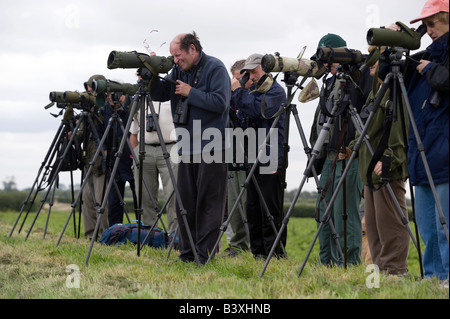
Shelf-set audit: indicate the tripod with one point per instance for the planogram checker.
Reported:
(50, 169)
(140, 99)
(287, 108)
(315, 152)
(89, 128)
(397, 77)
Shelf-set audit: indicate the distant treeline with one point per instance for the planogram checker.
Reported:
(13, 200)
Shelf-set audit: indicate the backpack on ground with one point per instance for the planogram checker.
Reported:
(119, 234)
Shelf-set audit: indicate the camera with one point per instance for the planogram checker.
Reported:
(133, 59)
(150, 127)
(304, 67)
(408, 38)
(57, 97)
(77, 97)
(103, 87)
(181, 113)
(339, 55)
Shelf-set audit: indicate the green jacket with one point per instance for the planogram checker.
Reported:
(397, 139)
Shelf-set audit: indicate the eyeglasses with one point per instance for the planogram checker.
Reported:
(431, 24)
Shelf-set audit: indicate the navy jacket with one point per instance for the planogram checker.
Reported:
(209, 101)
(432, 121)
(249, 105)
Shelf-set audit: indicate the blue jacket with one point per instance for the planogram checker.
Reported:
(432, 122)
(249, 105)
(209, 101)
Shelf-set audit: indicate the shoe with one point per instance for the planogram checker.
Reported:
(259, 257)
(232, 252)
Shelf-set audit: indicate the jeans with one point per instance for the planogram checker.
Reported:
(435, 257)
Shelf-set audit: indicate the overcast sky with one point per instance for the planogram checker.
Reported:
(50, 46)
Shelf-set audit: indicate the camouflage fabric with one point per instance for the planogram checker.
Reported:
(264, 84)
(310, 92)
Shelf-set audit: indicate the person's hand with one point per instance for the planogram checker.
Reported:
(378, 168)
(394, 27)
(422, 65)
(345, 154)
(235, 84)
(182, 88)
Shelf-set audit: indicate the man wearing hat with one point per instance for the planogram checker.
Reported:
(345, 212)
(426, 79)
(266, 95)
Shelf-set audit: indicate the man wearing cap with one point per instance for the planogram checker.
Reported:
(268, 96)
(427, 83)
(345, 212)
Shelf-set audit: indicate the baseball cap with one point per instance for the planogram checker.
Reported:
(252, 62)
(432, 7)
(332, 40)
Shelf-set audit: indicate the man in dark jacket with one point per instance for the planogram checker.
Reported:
(203, 94)
(117, 103)
(264, 91)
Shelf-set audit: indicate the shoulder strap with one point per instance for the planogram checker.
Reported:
(378, 154)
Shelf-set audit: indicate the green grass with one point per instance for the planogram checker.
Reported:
(36, 268)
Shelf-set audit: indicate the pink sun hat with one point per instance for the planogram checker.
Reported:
(432, 7)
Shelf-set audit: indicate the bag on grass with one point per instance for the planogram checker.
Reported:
(119, 234)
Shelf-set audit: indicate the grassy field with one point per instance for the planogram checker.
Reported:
(38, 269)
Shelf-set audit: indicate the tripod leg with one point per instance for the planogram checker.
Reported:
(158, 218)
(183, 212)
(53, 147)
(50, 205)
(230, 215)
(268, 215)
(86, 119)
(363, 138)
(309, 169)
(241, 211)
(53, 179)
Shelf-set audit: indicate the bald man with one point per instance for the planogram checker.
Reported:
(203, 94)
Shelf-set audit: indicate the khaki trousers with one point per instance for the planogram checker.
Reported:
(388, 238)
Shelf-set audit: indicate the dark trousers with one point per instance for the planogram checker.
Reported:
(203, 193)
(115, 207)
(262, 234)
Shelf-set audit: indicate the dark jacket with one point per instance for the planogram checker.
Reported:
(249, 105)
(209, 101)
(113, 140)
(432, 121)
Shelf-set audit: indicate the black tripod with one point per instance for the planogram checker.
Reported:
(140, 99)
(63, 155)
(397, 77)
(88, 128)
(287, 108)
(315, 152)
